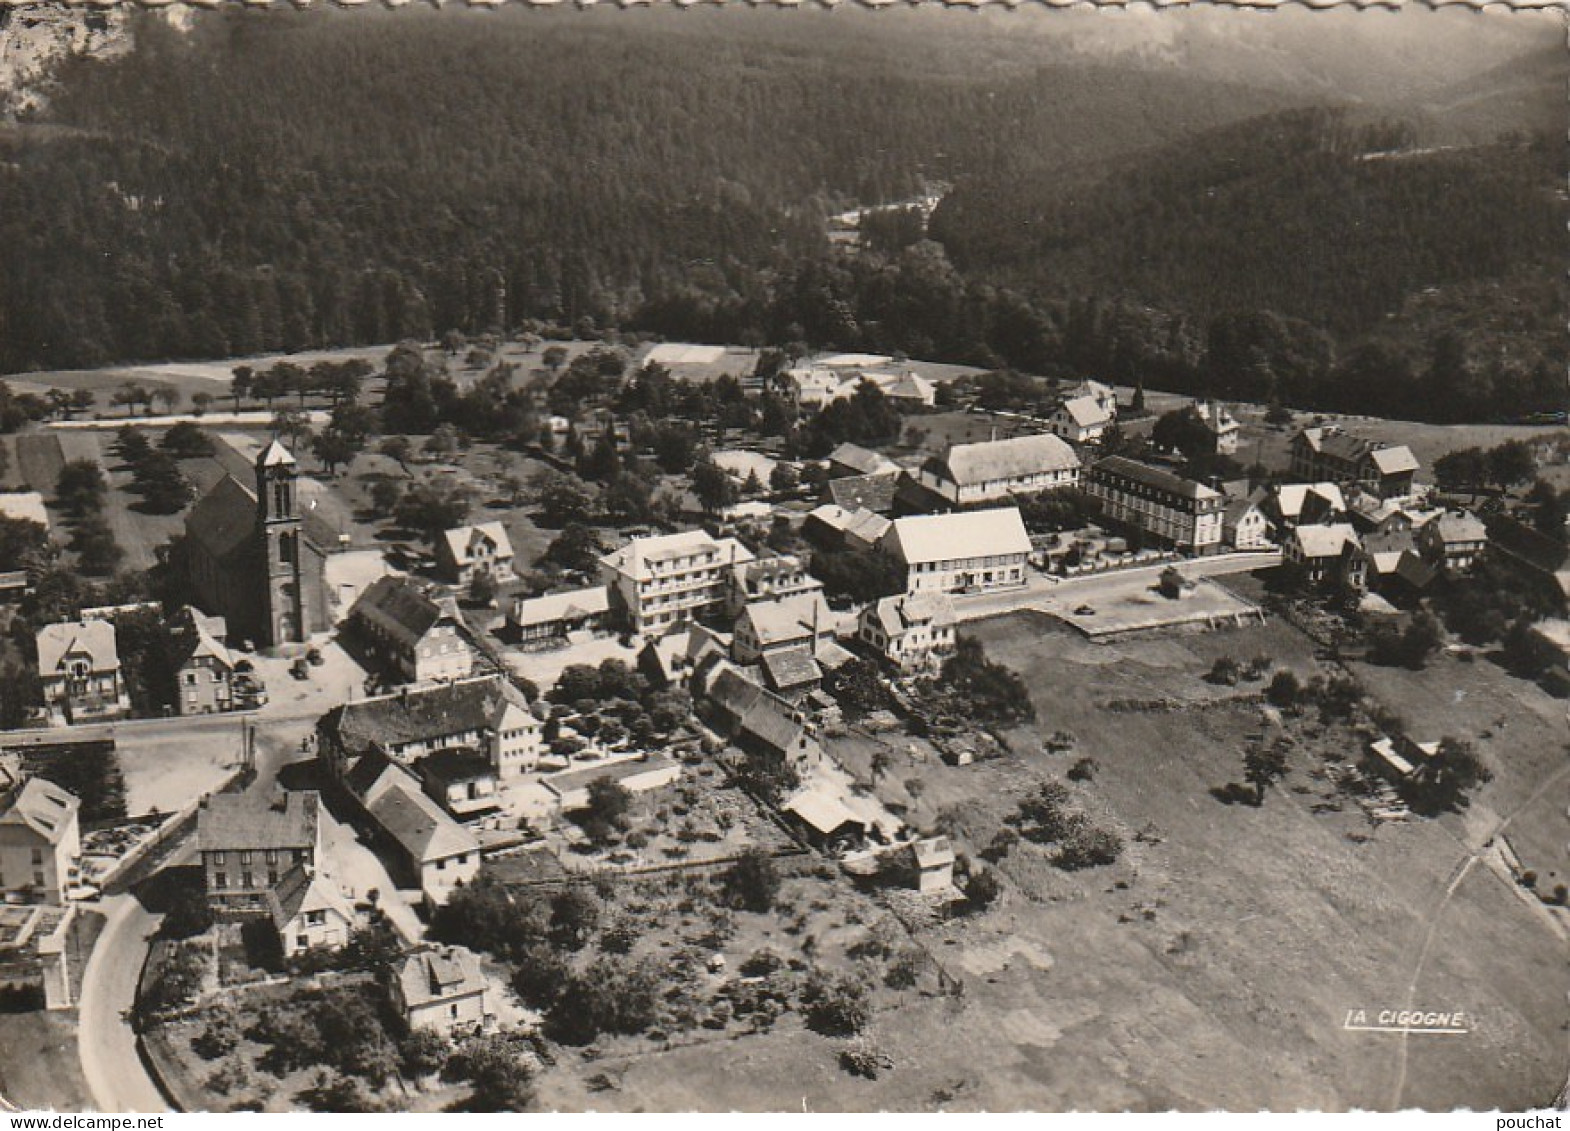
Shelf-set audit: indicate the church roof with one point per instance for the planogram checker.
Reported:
(224, 518)
(275, 455)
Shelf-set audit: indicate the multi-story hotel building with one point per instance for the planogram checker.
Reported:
(1161, 506)
(657, 583)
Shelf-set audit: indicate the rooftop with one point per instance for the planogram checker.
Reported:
(92, 638)
(233, 822)
(993, 460)
(423, 714)
(639, 558)
(942, 537)
(461, 540)
(1155, 477)
(402, 608)
(430, 976)
(44, 807)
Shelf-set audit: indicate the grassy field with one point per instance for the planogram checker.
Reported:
(39, 1068)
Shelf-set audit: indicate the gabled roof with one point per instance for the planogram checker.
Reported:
(1216, 417)
(821, 810)
(304, 889)
(989, 461)
(460, 541)
(873, 492)
(427, 714)
(1289, 498)
(790, 668)
(457, 764)
(439, 974)
(25, 505)
(1459, 527)
(196, 641)
(1086, 412)
(237, 822)
(896, 615)
(92, 638)
(1156, 477)
(1325, 540)
(420, 826)
(44, 808)
(1394, 461)
(401, 608)
(1384, 551)
(570, 605)
(275, 455)
(864, 460)
(788, 618)
(224, 518)
(933, 852)
(1388, 459)
(963, 534)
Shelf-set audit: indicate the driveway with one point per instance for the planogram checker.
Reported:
(115, 1074)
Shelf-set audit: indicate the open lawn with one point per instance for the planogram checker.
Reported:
(1214, 964)
(39, 1067)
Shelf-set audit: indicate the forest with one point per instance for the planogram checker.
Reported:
(264, 181)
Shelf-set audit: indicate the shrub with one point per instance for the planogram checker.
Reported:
(862, 1058)
(752, 882)
(1083, 770)
(981, 890)
(1087, 847)
(1285, 689)
(836, 1007)
(1224, 672)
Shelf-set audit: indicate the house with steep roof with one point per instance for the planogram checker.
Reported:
(993, 470)
(1105, 396)
(461, 780)
(659, 582)
(772, 578)
(802, 621)
(411, 634)
(1286, 505)
(912, 632)
(252, 557)
(1082, 420)
(1331, 453)
(1392, 563)
(40, 842)
(964, 552)
(248, 845)
(428, 849)
(1158, 505)
(79, 667)
(308, 912)
(873, 492)
(443, 988)
(1454, 541)
(204, 666)
(469, 551)
(933, 859)
(1221, 424)
(1244, 525)
(1326, 552)
(756, 719)
(486, 713)
(832, 527)
(854, 460)
(791, 672)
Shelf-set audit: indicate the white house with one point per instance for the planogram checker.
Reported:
(659, 582)
(911, 632)
(1082, 420)
(443, 988)
(469, 551)
(995, 469)
(962, 552)
(1221, 424)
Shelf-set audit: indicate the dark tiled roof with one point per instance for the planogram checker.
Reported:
(401, 607)
(235, 822)
(457, 763)
(790, 668)
(1154, 477)
(223, 518)
(872, 492)
(422, 715)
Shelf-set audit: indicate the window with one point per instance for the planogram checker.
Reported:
(245, 857)
(190, 678)
(247, 880)
(220, 879)
(38, 856)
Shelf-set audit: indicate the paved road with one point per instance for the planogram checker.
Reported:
(107, 1045)
(1084, 588)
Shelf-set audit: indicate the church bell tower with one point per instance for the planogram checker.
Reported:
(278, 529)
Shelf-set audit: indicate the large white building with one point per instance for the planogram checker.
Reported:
(1158, 504)
(995, 469)
(963, 552)
(1082, 420)
(659, 582)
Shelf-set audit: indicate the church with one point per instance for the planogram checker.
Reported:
(246, 556)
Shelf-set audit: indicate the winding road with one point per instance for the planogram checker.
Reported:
(106, 1041)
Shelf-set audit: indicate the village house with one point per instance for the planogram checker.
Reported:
(1333, 454)
(486, 713)
(443, 988)
(1244, 526)
(863, 492)
(964, 552)
(461, 780)
(250, 556)
(1324, 552)
(823, 818)
(755, 718)
(79, 668)
(308, 912)
(854, 460)
(1158, 505)
(428, 849)
(933, 859)
(548, 620)
(1082, 420)
(1221, 424)
(911, 632)
(802, 621)
(903, 387)
(1401, 757)
(792, 673)
(570, 790)
(996, 469)
(40, 843)
(1453, 541)
(1286, 505)
(771, 578)
(809, 387)
(467, 552)
(412, 635)
(1105, 396)
(204, 666)
(248, 846)
(660, 582)
(831, 527)
(1392, 564)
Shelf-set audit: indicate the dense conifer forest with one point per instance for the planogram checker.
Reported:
(278, 180)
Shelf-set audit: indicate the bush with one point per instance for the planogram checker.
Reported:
(1088, 846)
(1083, 770)
(424, 1052)
(1224, 672)
(1285, 689)
(753, 882)
(836, 1007)
(981, 890)
(862, 1058)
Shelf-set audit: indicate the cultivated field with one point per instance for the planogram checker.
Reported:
(39, 1066)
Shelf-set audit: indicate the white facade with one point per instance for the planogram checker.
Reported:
(670, 579)
(964, 552)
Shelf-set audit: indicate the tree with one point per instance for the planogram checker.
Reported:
(784, 478)
(240, 384)
(606, 811)
(1526, 651)
(168, 397)
(24, 544)
(385, 494)
(863, 576)
(162, 485)
(501, 1078)
(1087, 846)
(98, 553)
(575, 915)
(982, 889)
(713, 486)
(881, 762)
(576, 549)
(80, 487)
(1511, 463)
(1442, 782)
(185, 440)
(563, 499)
(836, 1007)
(431, 507)
(752, 882)
(1411, 647)
(613, 995)
(988, 692)
(1262, 766)
(859, 688)
(1285, 688)
(201, 402)
(334, 449)
(399, 449)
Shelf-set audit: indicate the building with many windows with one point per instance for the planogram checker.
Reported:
(962, 552)
(993, 470)
(1158, 505)
(79, 667)
(412, 635)
(249, 846)
(657, 583)
(40, 842)
(1382, 469)
(911, 632)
